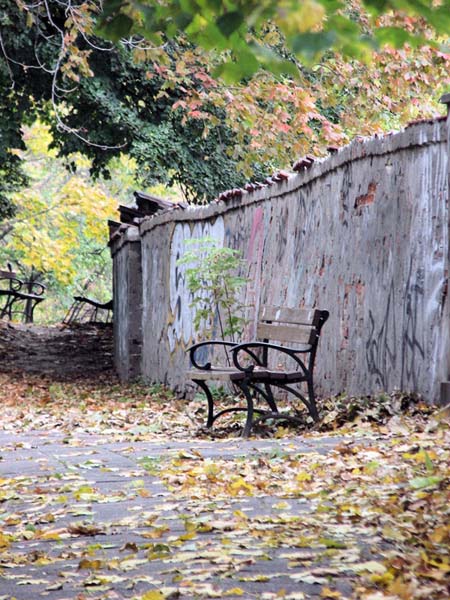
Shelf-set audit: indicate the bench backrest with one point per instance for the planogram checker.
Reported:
(290, 325)
(7, 275)
(9, 281)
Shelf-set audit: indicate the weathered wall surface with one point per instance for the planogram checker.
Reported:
(363, 234)
(445, 351)
(127, 291)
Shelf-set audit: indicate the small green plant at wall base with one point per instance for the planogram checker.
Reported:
(212, 280)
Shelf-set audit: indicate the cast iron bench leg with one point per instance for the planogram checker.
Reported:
(312, 401)
(202, 384)
(250, 408)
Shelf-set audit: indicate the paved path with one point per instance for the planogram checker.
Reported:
(83, 516)
(86, 520)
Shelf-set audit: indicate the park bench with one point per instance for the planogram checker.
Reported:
(260, 367)
(19, 298)
(86, 310)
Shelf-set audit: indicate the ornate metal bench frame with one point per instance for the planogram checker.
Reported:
(86, 310)
(252, 367)
(20, 297)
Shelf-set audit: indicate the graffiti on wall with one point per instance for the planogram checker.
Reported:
(382, 353)
(329, 242)
(180, 327)
(413, 351)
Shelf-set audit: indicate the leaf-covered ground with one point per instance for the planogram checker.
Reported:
(111, 492)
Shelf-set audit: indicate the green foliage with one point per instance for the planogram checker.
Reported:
(167, 104)
(131, 109)
(60, 227)
(11, 173)
(310, 27)
(103, 100)
(214, 285)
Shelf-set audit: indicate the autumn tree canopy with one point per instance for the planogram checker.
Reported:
(295, 77)
(309, 28)
(208, 94)
(102, 99)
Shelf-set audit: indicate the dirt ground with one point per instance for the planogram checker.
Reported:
(61, 352)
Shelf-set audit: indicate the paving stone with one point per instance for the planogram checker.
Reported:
(48, 467)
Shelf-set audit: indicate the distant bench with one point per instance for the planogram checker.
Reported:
(258, 366)
(86, 310)
(19, 298)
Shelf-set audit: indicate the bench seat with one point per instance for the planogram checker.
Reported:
(216, 373)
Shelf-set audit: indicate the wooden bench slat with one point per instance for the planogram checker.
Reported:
(281, 314)
(225, 374)
(7, 275)
(231, 374)
(296, 334)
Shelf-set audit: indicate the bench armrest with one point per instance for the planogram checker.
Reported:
(12, 283)
(247, 346)
(33, 288)
(102, 305)
(207, 366)
(193, 349)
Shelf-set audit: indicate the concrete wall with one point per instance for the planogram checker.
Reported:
(363, 234)
(127, 292)
(445, 359)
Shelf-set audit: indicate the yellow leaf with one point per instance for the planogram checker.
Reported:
(236, 591)
(43, 561)
(93, 565)
(383, 578)
(5, 541)
(440, 534)
(50, 535)
(255, 578)
(240, 515)
(153, 595)
(188, 536)
(240, 485)
(281, 505)
(328, 593)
